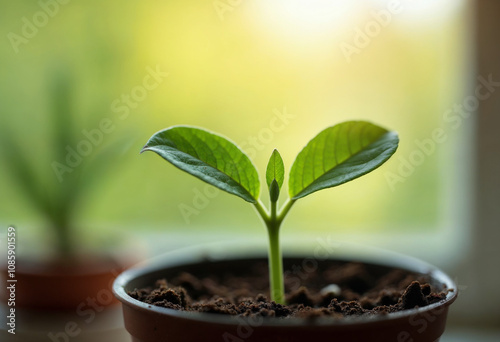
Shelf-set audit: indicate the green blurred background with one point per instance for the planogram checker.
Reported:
(231, 67)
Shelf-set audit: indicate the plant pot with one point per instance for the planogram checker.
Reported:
(61, 285)
(148, 323)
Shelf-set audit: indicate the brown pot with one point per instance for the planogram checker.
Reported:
(63, 285)
(147, 323)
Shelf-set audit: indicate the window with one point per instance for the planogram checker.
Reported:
(267, 75)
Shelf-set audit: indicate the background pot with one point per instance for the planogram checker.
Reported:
(147, 323)
(65, 301)
(63, 285)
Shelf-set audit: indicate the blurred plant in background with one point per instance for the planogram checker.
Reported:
(78, 163)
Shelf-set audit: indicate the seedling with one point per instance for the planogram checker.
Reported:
(335, 156)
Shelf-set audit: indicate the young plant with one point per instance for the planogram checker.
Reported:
(335, 156)
(56, 194)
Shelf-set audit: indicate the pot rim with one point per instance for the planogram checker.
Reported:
(187, 257)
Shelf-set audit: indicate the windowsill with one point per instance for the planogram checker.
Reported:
(441, 249)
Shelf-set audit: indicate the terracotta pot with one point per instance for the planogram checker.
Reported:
(63, 285)
(147, 323)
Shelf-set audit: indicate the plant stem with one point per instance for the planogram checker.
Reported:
(273, 222)
(64, 243)
(262, 211)
(277, 287)
(284, 210)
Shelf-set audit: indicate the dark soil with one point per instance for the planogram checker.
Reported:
(364, 290)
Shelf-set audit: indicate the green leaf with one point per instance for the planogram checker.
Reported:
(22, 171)
(340, 154)
(275, 169)
(209, 157)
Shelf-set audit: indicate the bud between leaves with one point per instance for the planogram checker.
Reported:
(274, 191)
